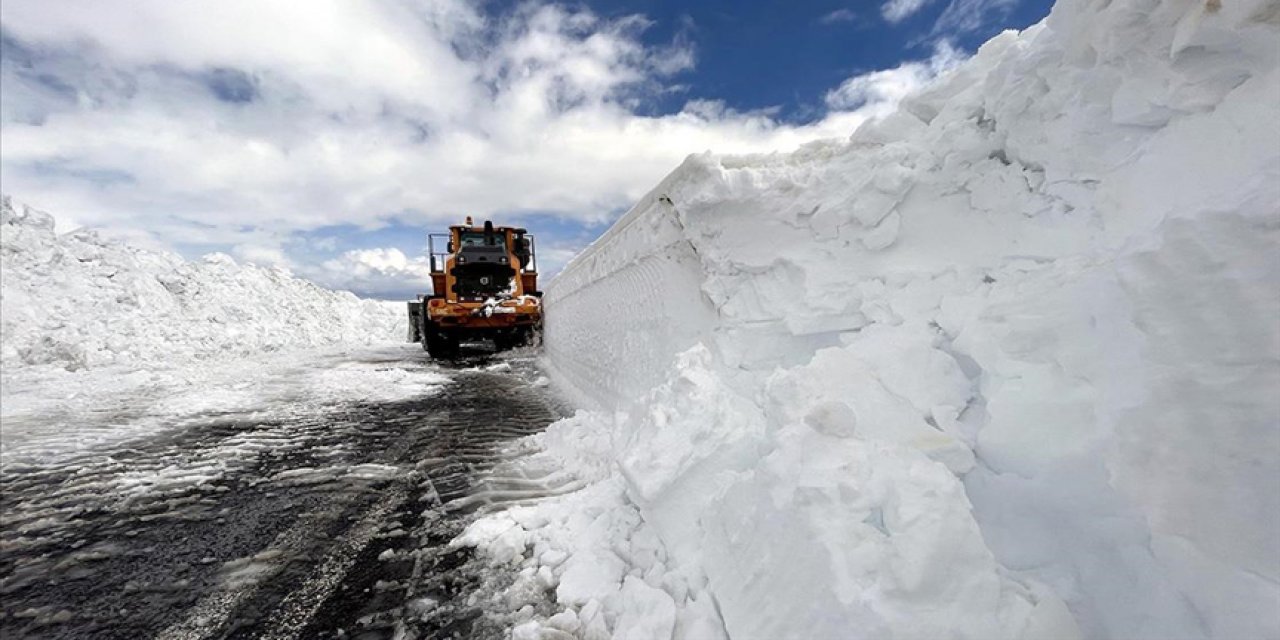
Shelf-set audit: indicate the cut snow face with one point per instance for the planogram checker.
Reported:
(1002, 364)
(78, 301)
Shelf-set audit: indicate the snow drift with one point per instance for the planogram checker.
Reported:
(1002, 364)
(80, 301)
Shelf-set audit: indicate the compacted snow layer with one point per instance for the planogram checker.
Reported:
(1003, 364)
(48, 414)
(78, 301)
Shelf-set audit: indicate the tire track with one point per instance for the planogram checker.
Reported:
(300, 527)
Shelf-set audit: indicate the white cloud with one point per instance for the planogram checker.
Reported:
(261, 255)
(378, 272)
(877, 93)
(965, 16)
(331, 46)
(895, 11)
(354, 112)
(322, 244)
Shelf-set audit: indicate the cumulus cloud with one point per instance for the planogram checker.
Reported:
(377, 273)
(877, 93)
(261, 255)
(343, 111)
(246, 121)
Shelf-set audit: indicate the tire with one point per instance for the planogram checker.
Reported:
(425, 332)
(522, 336)
(529, 336)
(438, 344)
(514, 340)
(439, 347)
(502, 342)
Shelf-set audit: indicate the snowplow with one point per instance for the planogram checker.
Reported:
(484, 282)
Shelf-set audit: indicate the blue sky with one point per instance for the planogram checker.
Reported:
(761, 54)
(329, 137)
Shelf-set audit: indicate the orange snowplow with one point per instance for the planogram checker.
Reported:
(484, 283)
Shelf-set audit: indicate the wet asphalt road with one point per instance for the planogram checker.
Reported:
(324, 525)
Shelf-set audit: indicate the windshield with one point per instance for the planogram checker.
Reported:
(476, 239)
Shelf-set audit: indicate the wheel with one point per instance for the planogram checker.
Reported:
(528, 336)
(517, 338)
(450, 346)
(442, 347)
(503, 342)
(439, 344)
(425, 333)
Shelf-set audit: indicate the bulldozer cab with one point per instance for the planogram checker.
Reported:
(473, 263)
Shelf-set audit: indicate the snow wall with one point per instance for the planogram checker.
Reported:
(80, 301)
(1014, 346)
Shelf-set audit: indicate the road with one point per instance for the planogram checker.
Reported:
(317, 522)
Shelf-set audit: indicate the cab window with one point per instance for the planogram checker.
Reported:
(476, 239)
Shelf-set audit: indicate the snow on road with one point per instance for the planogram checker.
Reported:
(323, 503)
(50, 412)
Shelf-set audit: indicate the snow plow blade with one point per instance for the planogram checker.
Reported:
(415, 322)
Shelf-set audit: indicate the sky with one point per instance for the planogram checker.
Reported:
(329, 137)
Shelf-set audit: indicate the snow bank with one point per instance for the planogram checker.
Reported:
(1002, 364)
(79, 301)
